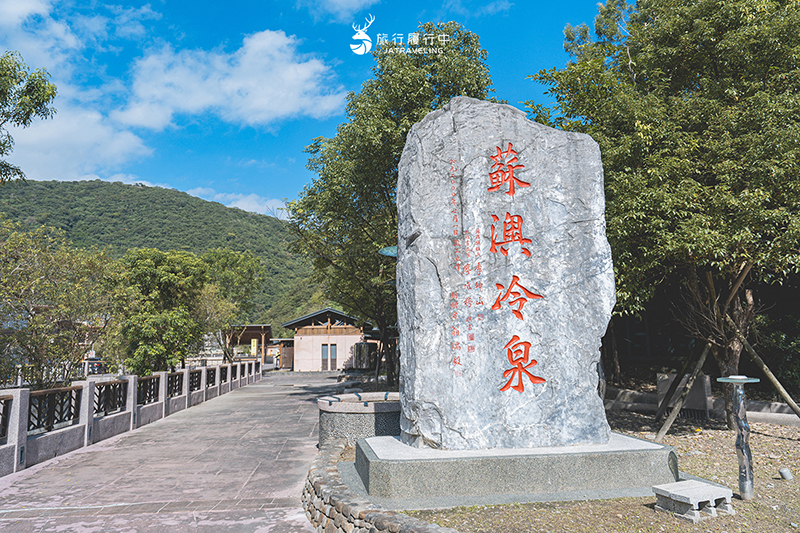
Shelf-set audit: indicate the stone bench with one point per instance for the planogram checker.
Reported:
(693, 500)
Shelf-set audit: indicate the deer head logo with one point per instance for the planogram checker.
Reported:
(365, 42)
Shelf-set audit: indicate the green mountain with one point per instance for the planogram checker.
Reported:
(120, 216)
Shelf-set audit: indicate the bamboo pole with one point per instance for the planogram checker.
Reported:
(677, 409)
(672, 389)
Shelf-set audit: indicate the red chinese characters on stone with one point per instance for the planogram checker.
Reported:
(519, 356)
(514, 297)
(512, 232)
(502, 171)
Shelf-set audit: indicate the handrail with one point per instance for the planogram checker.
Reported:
(110, 396)
(174, 384)
(53, 407)
(68, 412)
(147, 390)
(195, 379)
(48, 391)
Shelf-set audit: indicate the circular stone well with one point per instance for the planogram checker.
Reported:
(358, 415)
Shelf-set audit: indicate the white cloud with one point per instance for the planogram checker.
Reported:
(264, 81)
(475, 8)
(78, 143)
(128, 21)
(15, 12)
(132, 179)
(246, 202)
(93, 136)
(202, 192)
(342, 10)
(496, 7)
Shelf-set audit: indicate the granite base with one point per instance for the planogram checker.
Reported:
(625, 467)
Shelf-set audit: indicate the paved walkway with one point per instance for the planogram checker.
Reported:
(236, 463)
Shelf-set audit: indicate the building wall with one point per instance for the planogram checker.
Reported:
(308, 351)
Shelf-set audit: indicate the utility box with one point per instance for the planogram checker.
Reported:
(699, 401)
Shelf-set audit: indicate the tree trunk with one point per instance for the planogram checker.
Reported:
(728, 364)
(728, 357)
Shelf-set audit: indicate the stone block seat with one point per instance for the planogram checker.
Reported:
(693, 500)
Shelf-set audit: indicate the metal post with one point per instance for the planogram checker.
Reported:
(742, 434)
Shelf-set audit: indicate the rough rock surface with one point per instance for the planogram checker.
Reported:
(500, 262)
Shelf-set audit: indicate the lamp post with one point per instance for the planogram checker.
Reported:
(742, 434)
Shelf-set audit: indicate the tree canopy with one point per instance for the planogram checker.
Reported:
(55, 303)
(24, 95)
(158, 298)
(348, 212)
(696, 107)
(227, 298)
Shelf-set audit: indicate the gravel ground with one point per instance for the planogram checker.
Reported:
(705, 449)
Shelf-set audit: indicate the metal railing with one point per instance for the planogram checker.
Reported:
(147, 390)
(110, 397)
(195, 379)
(71, 412)
(5, 412)
(249, 369)
(174, 384)
(49, 409)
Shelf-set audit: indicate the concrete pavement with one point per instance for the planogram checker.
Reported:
(233, 464)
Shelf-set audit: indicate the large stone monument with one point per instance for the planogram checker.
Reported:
(505, 286)
(505, 281)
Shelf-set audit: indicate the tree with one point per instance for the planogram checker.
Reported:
(23, 96)
(55, 303)
(227, 299)
(696, 107)
(348, 212)
(157, 303)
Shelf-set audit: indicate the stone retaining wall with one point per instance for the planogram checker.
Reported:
(332, 507)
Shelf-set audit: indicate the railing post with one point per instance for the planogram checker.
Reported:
(187, 374)
(203, 380)
(130, 401)
(86, 416)
(162, 392)
(18, 425)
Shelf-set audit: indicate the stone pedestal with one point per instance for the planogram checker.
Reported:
(403, 477)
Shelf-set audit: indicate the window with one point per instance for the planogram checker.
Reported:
(325, 357)
(333, 356)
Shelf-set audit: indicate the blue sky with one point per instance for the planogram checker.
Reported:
(219, 99)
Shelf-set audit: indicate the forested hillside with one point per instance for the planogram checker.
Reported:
(120, 216)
